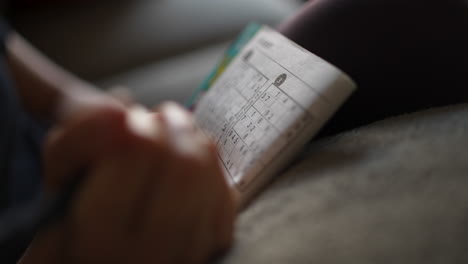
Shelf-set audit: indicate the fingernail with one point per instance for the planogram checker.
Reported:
(177, 117)
(141, 122)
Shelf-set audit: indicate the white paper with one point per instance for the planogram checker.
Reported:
(272, 98)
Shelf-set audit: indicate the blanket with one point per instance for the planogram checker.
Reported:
(395, 191)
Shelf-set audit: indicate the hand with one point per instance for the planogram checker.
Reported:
(152, 194)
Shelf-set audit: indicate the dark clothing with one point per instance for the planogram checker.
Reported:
(6, 121)
(20, 137)
(404, 55)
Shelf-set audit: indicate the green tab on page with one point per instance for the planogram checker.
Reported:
(246, 35)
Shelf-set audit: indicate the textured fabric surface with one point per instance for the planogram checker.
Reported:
(392, 192)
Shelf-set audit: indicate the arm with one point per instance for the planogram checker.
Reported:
(148, 197)
(46, 90)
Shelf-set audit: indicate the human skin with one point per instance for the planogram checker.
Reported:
(150, 194)
(45, 90)
(149, 197)
(400, 56)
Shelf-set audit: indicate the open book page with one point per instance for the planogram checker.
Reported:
(270, 100)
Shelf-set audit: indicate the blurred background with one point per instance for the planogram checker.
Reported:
(159, 49)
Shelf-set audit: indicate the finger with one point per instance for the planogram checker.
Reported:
(186, 202)
(111, 201)
(145, 124)
(189, 212)
(176, 117)
(74, 146)
(92, 135)
(185, 136)
(123, 187)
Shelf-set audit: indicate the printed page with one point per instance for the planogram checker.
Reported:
(272, 98)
